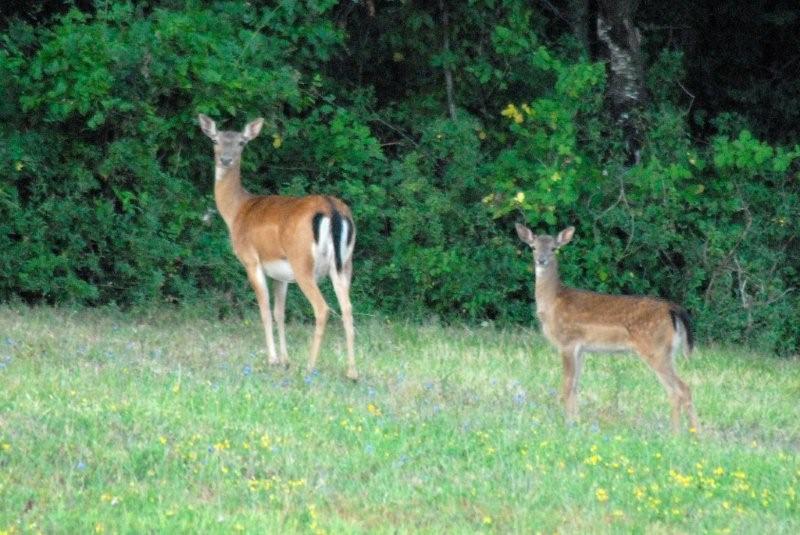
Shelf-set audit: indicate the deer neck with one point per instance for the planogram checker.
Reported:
(548, 284)
(228, 192)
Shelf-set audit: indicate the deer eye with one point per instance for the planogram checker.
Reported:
(242, 143)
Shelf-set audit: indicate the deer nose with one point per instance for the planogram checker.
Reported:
(225, 161)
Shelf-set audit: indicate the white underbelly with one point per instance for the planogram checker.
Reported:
(278, 269)
(282, 270)
(606, 348)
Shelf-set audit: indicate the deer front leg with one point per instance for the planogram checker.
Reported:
(257, 280)
(572, 359)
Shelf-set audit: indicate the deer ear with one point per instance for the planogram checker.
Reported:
(565, 236)
(208, 126)
(525, 234)
(252, 129)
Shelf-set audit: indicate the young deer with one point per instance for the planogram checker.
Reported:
(578, 322)
(288, 239)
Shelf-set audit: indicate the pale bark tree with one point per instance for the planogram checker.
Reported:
(621, 42)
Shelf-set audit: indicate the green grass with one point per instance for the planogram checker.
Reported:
(164, 422)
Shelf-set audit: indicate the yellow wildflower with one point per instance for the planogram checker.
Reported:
(602, 495)
(593, 460)
(512, 113)
(265, 441)
(520, 197)
(373, 409)
(277, 140)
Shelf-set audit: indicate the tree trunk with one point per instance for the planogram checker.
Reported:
(621, 43)
(448, 73)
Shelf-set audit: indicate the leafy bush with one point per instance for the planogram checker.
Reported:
(106, 191)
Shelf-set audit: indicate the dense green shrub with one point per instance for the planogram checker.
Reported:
(105, 190)
(109, 177)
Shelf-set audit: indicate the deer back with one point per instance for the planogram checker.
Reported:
(608, 322)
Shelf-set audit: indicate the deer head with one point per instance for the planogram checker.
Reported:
(544, 247)
(228, 145)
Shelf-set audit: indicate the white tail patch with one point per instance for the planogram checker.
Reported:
(343, 249)
(323, 251)
(679, 340)
(324, 229)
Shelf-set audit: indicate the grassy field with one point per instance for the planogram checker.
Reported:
(163, 422)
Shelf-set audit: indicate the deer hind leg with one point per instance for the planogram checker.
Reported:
(341, 285)
(310, 289)
(572, 359)
(687, 404)
(685, 393)
(680, 396)
(280, 288)
(259, 283)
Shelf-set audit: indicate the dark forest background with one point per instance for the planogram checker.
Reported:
(666, 132)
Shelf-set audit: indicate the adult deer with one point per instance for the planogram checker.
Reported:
(578, 322)
(288, 239)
